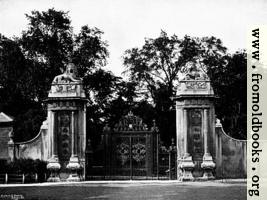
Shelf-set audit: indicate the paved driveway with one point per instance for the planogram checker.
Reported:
(127, 190)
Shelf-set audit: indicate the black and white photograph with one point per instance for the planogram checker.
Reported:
(132, 99)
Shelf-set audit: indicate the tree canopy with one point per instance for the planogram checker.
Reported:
(156, 67)
(230, 84)
(159, 61)
(29, 62)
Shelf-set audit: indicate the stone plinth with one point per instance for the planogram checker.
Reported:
(73, 167)
(53, 166)
(208, 166)
(187, 166)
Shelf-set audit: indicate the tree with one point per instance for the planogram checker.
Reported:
(157, 65)
(50, 43)
(159, 60)
(90, 51)
(30, 62)
(230, 84)
(48, 39)
(16, 94)
(12, 68)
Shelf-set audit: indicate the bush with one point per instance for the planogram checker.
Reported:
(24, 166)
(3, 167)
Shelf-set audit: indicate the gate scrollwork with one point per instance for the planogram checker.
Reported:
(123, 152)
(139, 152)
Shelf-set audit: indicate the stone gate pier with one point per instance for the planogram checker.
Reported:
(195, 126)
(66, 106)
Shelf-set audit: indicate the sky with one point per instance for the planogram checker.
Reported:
(126, 23)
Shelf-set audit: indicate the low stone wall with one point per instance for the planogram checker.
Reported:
(231, 155)
(35, 148)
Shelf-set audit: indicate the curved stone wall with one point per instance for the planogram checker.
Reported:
(231, 155)
(35, 148)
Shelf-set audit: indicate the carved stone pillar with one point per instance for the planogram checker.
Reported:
(82, 161)
(208, 165)
(186, 165)
(73, 165)
(194, 92)
(205, 132)
(185, 124)
(73, 138)
(53, 163)
(68, 100)
(11, 146)
(54, 137)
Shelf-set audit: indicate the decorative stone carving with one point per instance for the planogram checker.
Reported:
(67, 84)
(64, 135)
(194, 71)
(65, 88)
(70, 75)
(194, 85)
(74, 164)
(65, 105)
(53, 166)
(73, 167)
(187, 166)
(218, 123)
(196, 123)
(208, 166)
(195, 80)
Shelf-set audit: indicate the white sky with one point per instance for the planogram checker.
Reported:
(127, 22)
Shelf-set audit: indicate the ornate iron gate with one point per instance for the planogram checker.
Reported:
(130, 155)
(130, 148)
(131, 151)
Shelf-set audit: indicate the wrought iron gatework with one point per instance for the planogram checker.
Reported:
(131, 151)
(130, 155)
